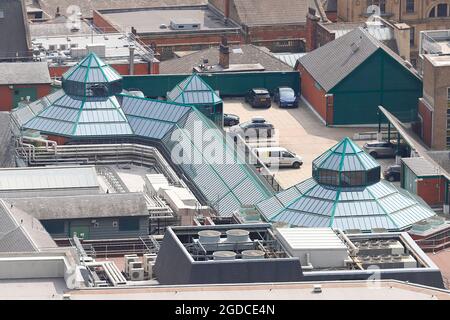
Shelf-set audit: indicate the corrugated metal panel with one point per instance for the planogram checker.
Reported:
(48, 178)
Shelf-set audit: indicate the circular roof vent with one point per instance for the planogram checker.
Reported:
(224, 255)
(253, 254)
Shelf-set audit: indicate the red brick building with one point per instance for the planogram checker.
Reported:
(22, 81)
(278, 25)
(170, 29)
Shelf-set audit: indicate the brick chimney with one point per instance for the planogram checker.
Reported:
(226, 10)
(311, 26)
(224, 54)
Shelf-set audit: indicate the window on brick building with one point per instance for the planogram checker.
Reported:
(410, 6)
(439, 11)
(412, 34)
(380, 3)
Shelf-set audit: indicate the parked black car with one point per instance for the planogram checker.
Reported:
(259, 98)
(230, 120)
(286, 97)
(392, 173)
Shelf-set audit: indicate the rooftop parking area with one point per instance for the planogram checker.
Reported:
(301, 132)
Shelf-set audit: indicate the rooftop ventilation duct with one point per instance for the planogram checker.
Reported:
(238, 235)
(209, 236)
(224, 255)
(252, 254)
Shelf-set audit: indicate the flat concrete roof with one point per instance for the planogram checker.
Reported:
(439, 60)
(116, 45)
(348, 290)
(150, 20)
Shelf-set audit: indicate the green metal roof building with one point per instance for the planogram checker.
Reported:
(345, 193)
(91, 107)
(196, 92)
(347, 79)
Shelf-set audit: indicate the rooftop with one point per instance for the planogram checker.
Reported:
(24, 73)
(67, 49)
(20, 232)
(87, 6)
(246, 54)
(38, 178)
(58, 27)
(435, 42)
(331, 63)
(14, 33)
(86, 206)
(438, 60)
(348, 197)
(94, 111)
(266, 12)
(193, 90)
(421, 167)
(150, 20)
(304, 238)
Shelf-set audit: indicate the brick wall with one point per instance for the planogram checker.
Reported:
(102, 23)
(59, 140)
(315, 96)
(432, 190)
(167, 44)
(426, 127)
(123, 69)
(275, 37)
(7, 94)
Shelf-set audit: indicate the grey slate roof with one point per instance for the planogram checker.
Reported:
(330, 64)
(87, 206)
(14, 34)
(270, 12)
(421, 167)
(87, 6)
(250, 55)
(6, 143)
(24, 73)
(19, 232)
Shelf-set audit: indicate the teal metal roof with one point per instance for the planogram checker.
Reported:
(226, 181)
(92, 77)
(313, 203)
(345, 156)
(91, 70)
(193, 90)
(81, 117)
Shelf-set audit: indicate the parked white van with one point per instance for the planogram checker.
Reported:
(278, 156)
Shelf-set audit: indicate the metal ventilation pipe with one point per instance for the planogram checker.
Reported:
(132, 59)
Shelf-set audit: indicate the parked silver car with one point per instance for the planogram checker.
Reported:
(380, 149)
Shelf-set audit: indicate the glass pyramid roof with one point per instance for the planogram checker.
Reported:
(193, 90)
(92, 70)
(226, 184)
(314, 204)
(81, 117)
(345, 156)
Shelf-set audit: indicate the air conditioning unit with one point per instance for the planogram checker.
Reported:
(137, 274)
(149, 261)
(127, 259)
(135, 265)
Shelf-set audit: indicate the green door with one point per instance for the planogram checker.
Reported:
(79, 231)
(22, 94)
